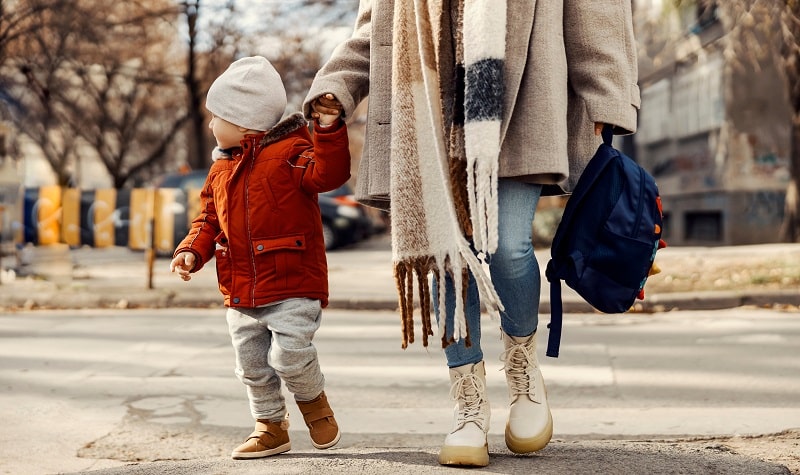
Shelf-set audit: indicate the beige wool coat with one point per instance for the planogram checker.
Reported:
(569, 64)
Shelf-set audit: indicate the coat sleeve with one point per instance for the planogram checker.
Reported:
(346, 73)
(328, 162)
(602, 60)
(203, 231)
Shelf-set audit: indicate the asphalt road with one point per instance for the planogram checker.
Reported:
(153, 391)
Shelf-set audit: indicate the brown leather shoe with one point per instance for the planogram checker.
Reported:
(268, 438)
(319, 418)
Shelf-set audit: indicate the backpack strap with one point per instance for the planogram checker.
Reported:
(608, 134)
(556, 311)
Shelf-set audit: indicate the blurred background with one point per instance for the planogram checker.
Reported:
(102, 113)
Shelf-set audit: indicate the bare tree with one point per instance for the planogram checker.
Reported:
(122, 80)
(210, 46)
(218, 33)
(19, 19)
(130, 91)
(96, 77)
(40, 39)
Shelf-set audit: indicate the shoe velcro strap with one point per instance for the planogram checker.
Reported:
(271, 430)
(255, 435)
(318, 414)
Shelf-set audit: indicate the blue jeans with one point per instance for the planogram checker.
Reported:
(514, 271)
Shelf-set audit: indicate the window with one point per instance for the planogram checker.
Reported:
(705, 226)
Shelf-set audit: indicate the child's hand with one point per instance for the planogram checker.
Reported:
(327, 109)
(183, 263)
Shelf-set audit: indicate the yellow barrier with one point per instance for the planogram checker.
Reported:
(166, 207)
(141, 213)
(157, 217)
(48, 213)
(71, 216)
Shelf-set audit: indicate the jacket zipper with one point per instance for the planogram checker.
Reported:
(247, 226)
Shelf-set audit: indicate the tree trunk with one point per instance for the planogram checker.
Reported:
(198, 156)
(790, 230)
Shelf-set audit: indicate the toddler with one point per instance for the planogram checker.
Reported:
(261, 222)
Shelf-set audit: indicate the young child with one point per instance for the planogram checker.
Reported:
(261, 221)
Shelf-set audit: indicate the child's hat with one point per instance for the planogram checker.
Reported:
(249, 94)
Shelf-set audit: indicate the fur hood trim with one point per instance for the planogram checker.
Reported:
(283, 128)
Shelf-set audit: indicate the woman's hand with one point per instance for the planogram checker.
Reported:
(598, 128)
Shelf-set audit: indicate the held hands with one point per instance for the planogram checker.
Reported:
(183, 263)
(327, 109)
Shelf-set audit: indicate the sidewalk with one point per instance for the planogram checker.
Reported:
(127, 391)
(360, 278)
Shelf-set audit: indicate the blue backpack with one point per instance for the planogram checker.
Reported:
(606, 242)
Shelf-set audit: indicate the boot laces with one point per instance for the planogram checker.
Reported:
(469, 390)
(518, 360)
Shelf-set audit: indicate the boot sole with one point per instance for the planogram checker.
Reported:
(264, 453)
(530, 444)
(329, 444)
(464, 456)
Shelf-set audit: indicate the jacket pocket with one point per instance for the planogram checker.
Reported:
(280, 258)
(224, 273)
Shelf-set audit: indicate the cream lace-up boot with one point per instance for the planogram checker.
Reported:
(530, 424)
(466, 444)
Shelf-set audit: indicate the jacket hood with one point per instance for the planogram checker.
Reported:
(283, 128)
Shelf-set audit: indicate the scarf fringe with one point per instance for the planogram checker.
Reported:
(404, 274)
(482, 175)
(409, 271)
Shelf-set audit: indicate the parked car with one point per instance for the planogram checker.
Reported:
(344, 220)
(191, 180)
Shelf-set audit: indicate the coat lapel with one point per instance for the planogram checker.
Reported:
(519, 20)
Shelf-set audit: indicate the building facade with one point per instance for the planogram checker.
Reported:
(714, 128)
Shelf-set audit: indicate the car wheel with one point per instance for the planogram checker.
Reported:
(328, 235)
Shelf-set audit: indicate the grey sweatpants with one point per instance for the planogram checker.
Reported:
(271, 344)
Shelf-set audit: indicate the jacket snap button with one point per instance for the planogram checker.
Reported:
(299, 243)
(236, 300)
(260, 247)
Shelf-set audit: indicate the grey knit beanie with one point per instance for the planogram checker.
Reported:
(249, 94)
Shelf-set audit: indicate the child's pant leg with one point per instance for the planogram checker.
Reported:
(293, 324)
(251, 341)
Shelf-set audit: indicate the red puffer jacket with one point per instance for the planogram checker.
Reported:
(260, 217)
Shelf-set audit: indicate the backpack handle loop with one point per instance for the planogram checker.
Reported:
(608, 134)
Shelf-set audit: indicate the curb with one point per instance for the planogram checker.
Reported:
(48, 298)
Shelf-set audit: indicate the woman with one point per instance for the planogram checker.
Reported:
(477, 108)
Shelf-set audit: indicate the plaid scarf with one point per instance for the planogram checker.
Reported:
(431, 224)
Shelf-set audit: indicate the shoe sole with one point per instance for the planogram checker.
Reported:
(329, 444)
(464, 456)
(530, 444)
(264, 453)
